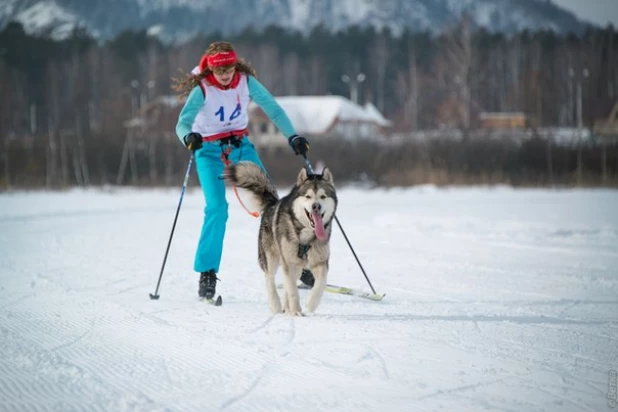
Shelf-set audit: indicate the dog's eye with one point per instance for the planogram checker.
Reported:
(323, 197)
(307, 197)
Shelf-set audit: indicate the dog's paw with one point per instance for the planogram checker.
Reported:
(293, 311)
(296, 313)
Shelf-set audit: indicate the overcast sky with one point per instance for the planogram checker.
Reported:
(596, 11)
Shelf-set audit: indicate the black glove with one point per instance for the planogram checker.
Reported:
(193, 141)
(299, 144)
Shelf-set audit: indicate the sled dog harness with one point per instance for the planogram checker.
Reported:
(225, 158)
(302, 251)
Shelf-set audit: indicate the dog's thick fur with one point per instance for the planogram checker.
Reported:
(290, 231)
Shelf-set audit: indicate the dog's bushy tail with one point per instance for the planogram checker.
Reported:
(250, 176)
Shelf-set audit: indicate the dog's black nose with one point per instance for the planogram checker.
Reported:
(316, 207)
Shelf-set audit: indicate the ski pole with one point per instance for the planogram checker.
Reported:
(310, 169)
(182, 194)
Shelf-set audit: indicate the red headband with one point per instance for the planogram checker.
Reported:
(225, 58)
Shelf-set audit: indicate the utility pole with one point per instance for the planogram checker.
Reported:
(580, 121)
(354, 83)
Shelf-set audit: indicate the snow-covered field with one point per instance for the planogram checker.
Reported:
(497, 299)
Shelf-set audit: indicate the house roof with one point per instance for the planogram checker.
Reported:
(375, 113)
(316, 114)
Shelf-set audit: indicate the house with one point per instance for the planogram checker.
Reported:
(607, 127)
(503, 120)
(156, 118)
(319, 116)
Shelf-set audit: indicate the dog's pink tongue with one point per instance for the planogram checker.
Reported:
(320, 233)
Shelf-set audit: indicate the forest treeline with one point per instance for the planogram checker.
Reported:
(64, 105)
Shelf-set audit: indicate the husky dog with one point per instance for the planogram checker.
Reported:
(294, 231)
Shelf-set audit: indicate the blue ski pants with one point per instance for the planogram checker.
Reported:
(210, 168)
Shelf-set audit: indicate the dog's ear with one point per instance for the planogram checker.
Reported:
(302, 176)
(327, 176)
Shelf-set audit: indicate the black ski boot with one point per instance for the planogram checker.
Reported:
(307, 278)
(208, 284)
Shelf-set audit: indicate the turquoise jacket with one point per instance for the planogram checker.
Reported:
(258, 94)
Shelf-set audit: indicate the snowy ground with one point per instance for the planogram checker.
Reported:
(497, 299)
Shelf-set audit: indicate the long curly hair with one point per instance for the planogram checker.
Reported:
(187, 82)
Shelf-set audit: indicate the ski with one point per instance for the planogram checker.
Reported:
(215, 302)
(342, 290)
(355, 292)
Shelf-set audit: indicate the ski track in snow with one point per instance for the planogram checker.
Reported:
(496, 299)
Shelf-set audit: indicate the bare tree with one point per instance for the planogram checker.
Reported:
(315, 76)
(457, 50)
(408, 92)
(380, 63)
(267, 65)
(513, 72)
(6, 118)
(291, 68)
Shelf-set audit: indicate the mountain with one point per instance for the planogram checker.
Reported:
(178, 20)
